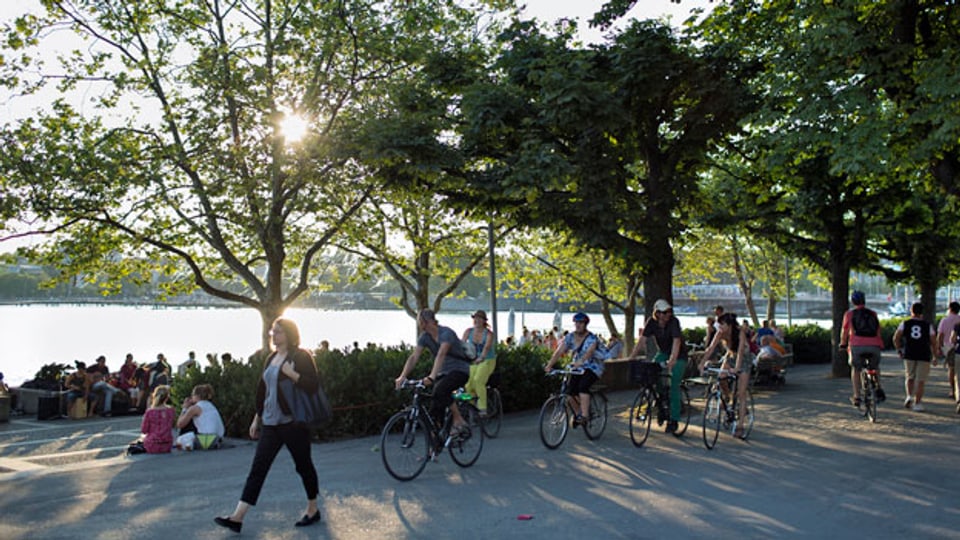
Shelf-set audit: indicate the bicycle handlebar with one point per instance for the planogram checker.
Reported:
(721, 371)
(413, 383)
(571, 371)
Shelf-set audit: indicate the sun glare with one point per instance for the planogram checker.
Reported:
(293, 127)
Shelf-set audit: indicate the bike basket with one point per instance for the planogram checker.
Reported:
(644, 373)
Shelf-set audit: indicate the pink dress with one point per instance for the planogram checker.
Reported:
(157, 426)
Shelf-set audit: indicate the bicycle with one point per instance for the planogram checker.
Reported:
(490, 422)
(869, 384)
(494, 419)
(718, 414)
(651, 400)
(411, 437)
(557, 412)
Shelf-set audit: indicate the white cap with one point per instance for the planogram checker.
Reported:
(662, 305)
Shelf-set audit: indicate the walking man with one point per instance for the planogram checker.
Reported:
(946, 327)
(916, 342)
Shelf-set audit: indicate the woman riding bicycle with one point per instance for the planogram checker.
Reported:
(451, 368)
(664, 328)
(738, 359)
(583, 346)
(482, 339)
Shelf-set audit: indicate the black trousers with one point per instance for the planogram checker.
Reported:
(443, 393)
(297, 440)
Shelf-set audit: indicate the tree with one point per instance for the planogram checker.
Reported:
(556, 267)
(421, 245)
(832, 143)
(199, 172)
(604, 144)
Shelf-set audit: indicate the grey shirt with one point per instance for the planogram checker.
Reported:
(455, 360)
(272, 414)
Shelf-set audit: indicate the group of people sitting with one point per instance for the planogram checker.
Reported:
(98, 386)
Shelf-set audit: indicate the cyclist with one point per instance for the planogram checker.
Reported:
(664, 328)
(450, 371)
(861, 332)
(584, 347)
(738, 359)
(482, 339)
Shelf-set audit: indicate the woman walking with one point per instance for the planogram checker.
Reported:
(273, 424)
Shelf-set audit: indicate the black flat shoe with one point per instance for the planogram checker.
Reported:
(308, 520)
(234, 525)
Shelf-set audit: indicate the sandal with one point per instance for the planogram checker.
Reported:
(738, 433)
(459, 430)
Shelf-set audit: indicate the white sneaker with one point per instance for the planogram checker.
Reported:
(907, 402)
(918, 407)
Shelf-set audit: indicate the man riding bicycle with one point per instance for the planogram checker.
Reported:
(450, 371)
(671, 352)
(584, 346)
(861, 332)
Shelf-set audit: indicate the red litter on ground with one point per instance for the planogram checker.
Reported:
(525, 517)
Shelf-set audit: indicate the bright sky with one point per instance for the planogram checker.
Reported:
(583, 10)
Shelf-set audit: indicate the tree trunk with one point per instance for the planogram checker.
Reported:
(658, 281)
(840, 278)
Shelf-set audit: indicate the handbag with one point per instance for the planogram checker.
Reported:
(311, 409)
(469, 349)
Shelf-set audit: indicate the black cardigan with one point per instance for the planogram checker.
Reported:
(302, 364)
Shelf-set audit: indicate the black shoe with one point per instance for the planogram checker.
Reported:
(578, 421)
(881, 395)
(672, 426)
(308, 520)
(234, 525)
(855, 401)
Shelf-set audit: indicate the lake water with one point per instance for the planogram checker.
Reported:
(34, 335)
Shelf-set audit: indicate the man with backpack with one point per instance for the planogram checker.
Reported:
(915, 340)
(860, 335)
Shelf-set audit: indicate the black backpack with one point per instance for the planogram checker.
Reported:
(865, 322)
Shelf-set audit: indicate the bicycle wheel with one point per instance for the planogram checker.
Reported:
(685, 411)
(554, 421)
(405, 446)
(641, 414)
(869, 396)
(747, 423)
(466, 447)
(598, 416)
(713, 413)
(491, 424)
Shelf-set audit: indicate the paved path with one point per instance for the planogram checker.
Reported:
(813, 468)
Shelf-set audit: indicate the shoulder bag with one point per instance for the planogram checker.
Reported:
(311, 409)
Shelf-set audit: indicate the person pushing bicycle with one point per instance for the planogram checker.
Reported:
(584, 347)
(451, 367)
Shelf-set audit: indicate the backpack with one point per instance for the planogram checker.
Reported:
(865, 323)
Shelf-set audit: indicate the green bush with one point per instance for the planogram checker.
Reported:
(234, 385)
(811, 343)
(523, 385)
